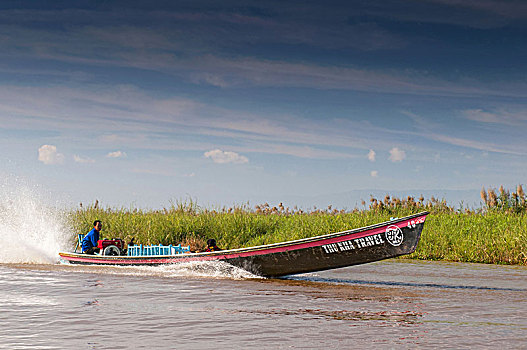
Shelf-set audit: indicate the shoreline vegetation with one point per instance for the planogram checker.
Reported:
(496, 233)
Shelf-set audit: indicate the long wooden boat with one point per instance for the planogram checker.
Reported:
(357, 246)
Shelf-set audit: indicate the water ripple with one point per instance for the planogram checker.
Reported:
(401, 284)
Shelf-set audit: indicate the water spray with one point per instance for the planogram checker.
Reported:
(30, 230)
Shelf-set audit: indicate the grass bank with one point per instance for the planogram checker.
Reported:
(493, 237)
(487, 235)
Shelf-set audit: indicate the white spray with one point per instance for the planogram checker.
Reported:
(30, 231)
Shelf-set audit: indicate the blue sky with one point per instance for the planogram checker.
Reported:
(235, 101)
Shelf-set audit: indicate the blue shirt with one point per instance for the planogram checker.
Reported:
(90, 240)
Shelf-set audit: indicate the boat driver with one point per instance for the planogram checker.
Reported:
(89, 243)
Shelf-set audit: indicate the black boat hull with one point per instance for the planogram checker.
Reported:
(358, 246)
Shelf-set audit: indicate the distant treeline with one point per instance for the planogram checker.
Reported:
(495, 233)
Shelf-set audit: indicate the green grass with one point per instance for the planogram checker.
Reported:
(493, 237)
(485, 236)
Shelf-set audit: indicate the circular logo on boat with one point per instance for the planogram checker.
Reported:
(394, 235)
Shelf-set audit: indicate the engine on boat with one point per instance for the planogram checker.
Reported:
(113, 247)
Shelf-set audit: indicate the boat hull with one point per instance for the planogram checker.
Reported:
(358, 246)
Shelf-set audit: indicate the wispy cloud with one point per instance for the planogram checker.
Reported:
(479, 145)
(209, 79)
(79, 159)
(116, 154)
(159, 51)
(48, 154)
(119, 115)
(124, 115)
(507, 9)
(510, 124)
(224, 157)
(150, 171)
(250, 71)
(501, 116)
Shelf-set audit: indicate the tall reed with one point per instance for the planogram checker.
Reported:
(494, 233)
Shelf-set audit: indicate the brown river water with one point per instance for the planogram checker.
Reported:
(389, 304)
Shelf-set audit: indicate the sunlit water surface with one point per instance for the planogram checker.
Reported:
(391, 304)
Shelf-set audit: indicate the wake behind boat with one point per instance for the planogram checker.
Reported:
(357, 246)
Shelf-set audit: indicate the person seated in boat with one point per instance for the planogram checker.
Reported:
(211, 246)
(89, 243)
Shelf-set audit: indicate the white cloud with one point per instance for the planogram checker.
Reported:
(79, 159)
(397, 155)
(223, 157)
(48, 154)
(374, 173)
(371, 155)
(116, 154)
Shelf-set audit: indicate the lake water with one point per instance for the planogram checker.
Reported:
(390, 304)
